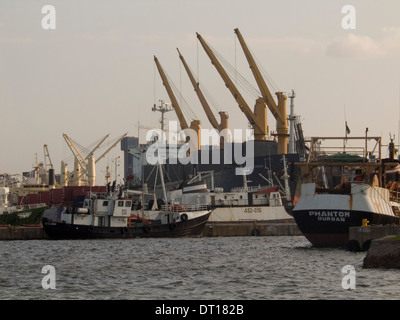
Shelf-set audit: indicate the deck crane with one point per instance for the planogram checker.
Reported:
(258, 118)
(84, 165)
(48, 166)
(195, 124)
(47, 156)
(278, 111)
(224, 117)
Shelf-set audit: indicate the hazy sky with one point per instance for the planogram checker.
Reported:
(95, 73)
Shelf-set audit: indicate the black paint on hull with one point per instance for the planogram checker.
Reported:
(323, 231)
(189, 228)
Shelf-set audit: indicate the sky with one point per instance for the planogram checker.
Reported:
(94, 74)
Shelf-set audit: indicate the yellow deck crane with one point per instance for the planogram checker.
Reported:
(224, 117)
(195, 124)
(84, 165)
(258, 118)
(278, 111)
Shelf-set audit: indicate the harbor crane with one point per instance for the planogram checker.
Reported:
(195, 124)
(277, 110)
(258, 118)
(84, 165)
(211, 118)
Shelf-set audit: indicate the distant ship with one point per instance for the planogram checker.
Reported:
(19, 215)
(263, 203)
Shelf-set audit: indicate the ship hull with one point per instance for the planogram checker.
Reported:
(250, 213)
(29, 217)
(324, 218)
(330, 228)
(188, 228)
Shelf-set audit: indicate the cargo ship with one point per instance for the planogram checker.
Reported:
(342, 190)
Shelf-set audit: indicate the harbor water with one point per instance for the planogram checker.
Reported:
(227, 268)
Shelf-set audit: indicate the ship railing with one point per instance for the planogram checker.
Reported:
(395, 195)
(31, 206)
(183, 208)
(248, 189)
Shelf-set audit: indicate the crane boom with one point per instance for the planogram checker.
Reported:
(112, 146)
(171, 95)
(256, 119)
(96, 147)
(278, 110)
(47, 156)
(199, 93)
(258, 77)
(81, 160)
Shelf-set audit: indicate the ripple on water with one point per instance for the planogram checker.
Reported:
(203, 268)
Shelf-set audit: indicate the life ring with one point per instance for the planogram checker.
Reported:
(124, 230)
(172, 226)
(147, 229)
(90, 228)
(184, 217)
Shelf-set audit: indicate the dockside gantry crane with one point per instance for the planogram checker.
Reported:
(195, 124)
(258, 118)
(278, 110)
(214, 122)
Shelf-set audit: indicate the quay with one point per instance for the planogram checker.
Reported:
(212, 229)
(360, 237)
(22, 233)
(250, 228)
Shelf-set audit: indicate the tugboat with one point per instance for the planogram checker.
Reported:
(357, 189)
(113, 216)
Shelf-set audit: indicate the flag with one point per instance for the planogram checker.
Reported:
(347, 129)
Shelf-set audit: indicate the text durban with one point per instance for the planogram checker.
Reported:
(330, 215)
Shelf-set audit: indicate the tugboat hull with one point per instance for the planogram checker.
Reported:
(188, 228)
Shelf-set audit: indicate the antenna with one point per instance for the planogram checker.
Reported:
(164, 107)
(292, 117)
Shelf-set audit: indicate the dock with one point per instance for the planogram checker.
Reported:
(212, 229)
(360, 237)
(22, 233)
(250, 228)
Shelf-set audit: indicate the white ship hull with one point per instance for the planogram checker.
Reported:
(248, 213)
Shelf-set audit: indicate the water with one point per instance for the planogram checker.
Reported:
(246, 268)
